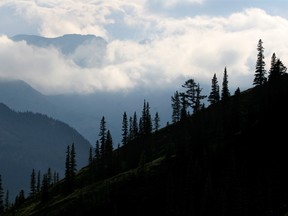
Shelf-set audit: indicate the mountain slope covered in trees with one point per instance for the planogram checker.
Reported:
(34, 141)
(227, 159)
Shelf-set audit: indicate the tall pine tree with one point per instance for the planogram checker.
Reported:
(225, 93)
(260, 72)
(124, 129)
(214, 96)
(102, 135)
(277, 68)
(176, 107)
(33, 183)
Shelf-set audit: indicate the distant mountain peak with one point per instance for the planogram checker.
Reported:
(67, 43)
(85, 50)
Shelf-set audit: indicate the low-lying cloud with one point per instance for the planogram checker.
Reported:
(171, 49)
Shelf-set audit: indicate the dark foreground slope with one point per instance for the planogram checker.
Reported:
(34, 141)
(229, 159)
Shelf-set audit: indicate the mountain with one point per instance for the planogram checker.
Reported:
(228, 159)
(32, 140)
(83, 112)
(85, 50)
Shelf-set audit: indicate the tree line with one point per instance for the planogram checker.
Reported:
(102, 159)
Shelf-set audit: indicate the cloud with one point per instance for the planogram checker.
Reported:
(176, 48)
(173, 3)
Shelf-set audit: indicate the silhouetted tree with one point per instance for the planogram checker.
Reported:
(73, 162)
(19, 199)
(70, 168)
(214, 96)
(184, 106)
(49, 176)
(146, 121)
(260, 72)
(67, 179)
(237, 92)
(102, 135)
(38, 186)
(193, 94)
(124, 129)
(55, 177)
(272, 67)
(225, 93)
(7, 200)
(33, 183)
(135, 126)
(176, 107)
(44, 189)
(97, 155)
(190, 92)
(108, 156)
(90, 158)
(156, 121)
(277, 68)
(109, 143)
(1, 196)
(198, 97)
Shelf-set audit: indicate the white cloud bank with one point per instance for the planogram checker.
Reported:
(178, 48)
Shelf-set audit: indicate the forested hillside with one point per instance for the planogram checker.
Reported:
(34, 141)
(226, 159)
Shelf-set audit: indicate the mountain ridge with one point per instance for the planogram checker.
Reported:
(33, 140)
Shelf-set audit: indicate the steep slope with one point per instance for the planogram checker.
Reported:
(229, 159)
(29, 140)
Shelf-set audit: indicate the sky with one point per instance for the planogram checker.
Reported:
(154, 44)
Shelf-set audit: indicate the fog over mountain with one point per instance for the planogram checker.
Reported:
(84, 50)
(83, 112)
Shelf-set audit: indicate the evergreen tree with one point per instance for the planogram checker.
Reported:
(193, 95)
(260, 72)
(135, 126)
(38, 187)
(49, 176)
(90, 159)
(190, 92)
(1, 196)
(7, 200)
(184, 106)
(124, 129)
(55, 180)
(237, 92)
(141, 128)
(19, 199)
(44, 189)
(102, 135)
(156, 121)
(73, 164)
(33, 183)
(97, 151)
(214, 96)
(67, 178)
(109, 144)
(130, 133)
(272, 67)
(108, 153)
(225, 93)
(277, 70)
(198, 97)
(146, 121)
(176, 107)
